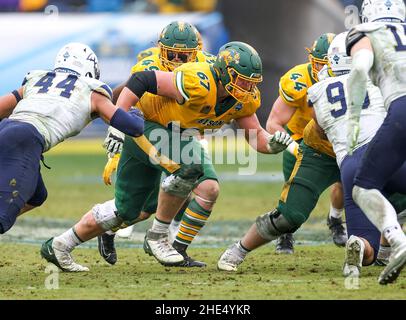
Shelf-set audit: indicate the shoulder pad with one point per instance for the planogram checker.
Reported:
(204, 56)
(100, 87)
(314, 92)
(34, 73)
(188, 81)
(149, 63)
(147, 52)
(293, 85)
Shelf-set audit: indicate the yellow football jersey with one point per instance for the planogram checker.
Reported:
(197, 82)
(313, 139)
(293, 90)
(149, 63)
(147, 52)
(204, 56)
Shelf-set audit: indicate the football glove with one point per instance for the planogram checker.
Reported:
(279, 141)
(110, 167)
(352, 135)
(114, 141)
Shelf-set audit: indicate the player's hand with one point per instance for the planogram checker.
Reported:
(110, 167)
(279, 141)
(114, 141)
(352, 135)
(136, 112)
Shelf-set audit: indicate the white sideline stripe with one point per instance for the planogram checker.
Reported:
(179, 84)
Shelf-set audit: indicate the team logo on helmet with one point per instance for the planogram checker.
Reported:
(229, 56)
(388, 3)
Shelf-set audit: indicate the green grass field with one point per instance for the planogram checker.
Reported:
(74, 185)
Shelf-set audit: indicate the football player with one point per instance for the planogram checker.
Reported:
(201, 55)
(178, 39)
(51, 105)
(378, 48)
(329, 99)
(292, 113)
(203, 96)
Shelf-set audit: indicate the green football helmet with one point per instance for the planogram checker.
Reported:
(178, 43)
(239, 68)
(318, 53)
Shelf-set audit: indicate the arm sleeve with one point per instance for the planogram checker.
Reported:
(141, 82)
(128, 122)
(353, 36)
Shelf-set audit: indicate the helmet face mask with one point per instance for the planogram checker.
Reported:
(383, 11)
(241, 87)
(318, 53)
(172, 57)
(178, 44)
(78, 58)
(239, 68)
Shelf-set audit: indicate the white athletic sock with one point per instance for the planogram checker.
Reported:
(159, 226)
(242, 250)
(381, 213)
(336, 213)
(67, 240)
(384, 252)
(395, 236)
(110, 233)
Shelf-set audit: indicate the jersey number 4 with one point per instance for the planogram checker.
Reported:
(67, 84)
(335, 93)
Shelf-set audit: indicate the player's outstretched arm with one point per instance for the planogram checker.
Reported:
(130, 123)
(363, 59)
(117, 91)
(279, 116)
(9, 101)
(260, 139)
(156, 82)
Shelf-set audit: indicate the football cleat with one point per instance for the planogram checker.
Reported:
(337, 231)
(230, 259)
(107, 250)
(189, 261)
(54, 253)
(354, 253)
(158, 246)
(284, 244)
(396, 263)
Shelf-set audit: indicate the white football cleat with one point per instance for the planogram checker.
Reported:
(230, 259)
(354, 254)
(55, 253)
(126, 232)
(397, 262)
(158, 245)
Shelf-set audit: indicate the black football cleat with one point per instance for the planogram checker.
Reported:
(107, 249)
(337, 231)
(284, 244)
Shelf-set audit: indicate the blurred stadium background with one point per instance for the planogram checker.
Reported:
(32, 33)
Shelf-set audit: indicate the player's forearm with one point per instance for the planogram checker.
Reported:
(9, 102)
(357, 82)
(273, 126)
(127, 122)
(116, 92)
(262, 142)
